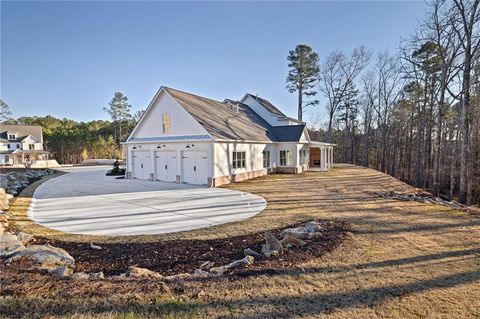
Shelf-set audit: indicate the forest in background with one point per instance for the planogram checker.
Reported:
(414, 113)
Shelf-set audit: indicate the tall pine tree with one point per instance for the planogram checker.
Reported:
(303, 75)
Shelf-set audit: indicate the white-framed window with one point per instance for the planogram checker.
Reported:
(31, 146)
(12, 136)
(167, 127)
(238, 159)
(266, 159)
(302, 155)
(285, 158)
(8, 146)
(18, 145)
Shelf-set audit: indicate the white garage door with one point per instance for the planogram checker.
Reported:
(141, 164)
(166, 166)
(195, 167)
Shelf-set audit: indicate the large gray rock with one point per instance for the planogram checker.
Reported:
(9, 245)
(44, 257)
(298, 232)
(271, 244)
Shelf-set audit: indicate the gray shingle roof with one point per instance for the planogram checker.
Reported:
(222, 121)
(22, 131)
(267, 105)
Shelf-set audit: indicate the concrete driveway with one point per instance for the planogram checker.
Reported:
(85, 201)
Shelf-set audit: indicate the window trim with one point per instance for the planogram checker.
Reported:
(239, 160)
(302, 157)
(287, 158)
(266, 159)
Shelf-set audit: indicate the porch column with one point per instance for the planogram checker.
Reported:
(322, 157)
(331, 157)
(327, 166)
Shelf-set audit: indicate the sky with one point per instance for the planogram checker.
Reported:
(67, 59)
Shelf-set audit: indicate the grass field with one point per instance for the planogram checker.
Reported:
(404, 260)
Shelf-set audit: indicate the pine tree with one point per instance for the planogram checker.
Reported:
(119, 111)
(303, 75)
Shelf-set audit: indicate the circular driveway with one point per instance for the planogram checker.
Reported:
(85, 201)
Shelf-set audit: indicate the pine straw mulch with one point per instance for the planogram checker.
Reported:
(184, 256)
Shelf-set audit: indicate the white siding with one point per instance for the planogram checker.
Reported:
(253, 157)
(182, 123)
(176, 147)
(260, 110)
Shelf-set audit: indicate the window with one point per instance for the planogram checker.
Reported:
(18, 145)
(266, 159)
(31, 146)
(302, 154)
(285, 158)
(238, 160)
(12, 136)
(8, 145)
(167, 129)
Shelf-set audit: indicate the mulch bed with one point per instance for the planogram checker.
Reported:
(184, 256)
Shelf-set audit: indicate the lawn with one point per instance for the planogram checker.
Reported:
(402, 260)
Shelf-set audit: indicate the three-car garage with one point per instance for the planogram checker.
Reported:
(169, 164)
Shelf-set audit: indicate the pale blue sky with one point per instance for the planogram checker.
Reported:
(67, 59)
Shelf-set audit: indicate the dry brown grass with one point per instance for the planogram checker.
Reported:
(406, 260)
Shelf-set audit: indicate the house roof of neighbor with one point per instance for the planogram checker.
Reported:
(232, 120)
(22, 132)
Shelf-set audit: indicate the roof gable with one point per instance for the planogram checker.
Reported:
(22, 131)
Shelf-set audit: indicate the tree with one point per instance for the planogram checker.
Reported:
(303, 76)
(336, 74)
(465, 21)
(119, 111)
(5, 113)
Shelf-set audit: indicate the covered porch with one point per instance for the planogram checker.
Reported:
(22, 157)
(321, 156)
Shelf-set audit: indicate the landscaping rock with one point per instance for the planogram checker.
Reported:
(9, 245)
(271, 244)
(12, 182)
(96, 276)
(80, 276)
(289, 241)
(138, 272)
(96, 247)
(44, 257)
(247, 260)
(207, 265)
(62, 271)
(312, 227)
(271, 253)
(251, 252)
(298, 232)
(25, 238)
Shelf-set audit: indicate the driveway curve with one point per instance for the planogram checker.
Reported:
(85, 201)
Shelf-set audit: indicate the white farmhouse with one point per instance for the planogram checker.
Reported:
(21, 144)
(186, 138)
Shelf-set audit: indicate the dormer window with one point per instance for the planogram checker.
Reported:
(31, 146)
(12, 137)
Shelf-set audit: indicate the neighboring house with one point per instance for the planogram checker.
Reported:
(186, 138)
(21, 144)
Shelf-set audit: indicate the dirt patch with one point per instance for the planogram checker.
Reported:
(177, 256)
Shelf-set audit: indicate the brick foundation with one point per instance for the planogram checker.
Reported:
(218, 181)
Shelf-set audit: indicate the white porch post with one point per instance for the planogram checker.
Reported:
(322, 157)
(331, 157)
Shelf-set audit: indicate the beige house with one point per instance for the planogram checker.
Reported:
(21, 144)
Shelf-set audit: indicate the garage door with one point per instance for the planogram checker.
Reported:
(166, 166)
(141, 164)
(195, 167)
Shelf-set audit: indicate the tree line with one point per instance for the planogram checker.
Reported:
(413, 113)
(71, 142)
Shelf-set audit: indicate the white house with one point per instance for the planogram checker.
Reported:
(21, 144)
(186, 138)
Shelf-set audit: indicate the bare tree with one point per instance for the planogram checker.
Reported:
(337, 73)
(465, 19)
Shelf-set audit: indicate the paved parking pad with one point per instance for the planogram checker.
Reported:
(85, 201)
